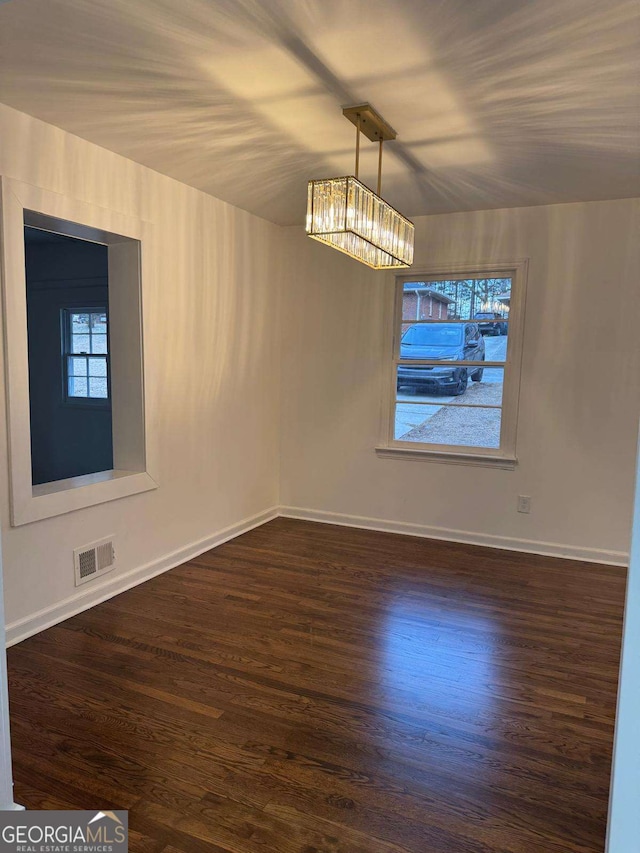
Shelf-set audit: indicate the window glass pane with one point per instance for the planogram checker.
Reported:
(77, 366)
(462, 300)
(97, 367)
(410, 418)
(80, 343)
(98, 387)
(79, 324)
(77, 387)
(99, 344)
(495, 346)
(424, 301)
(453, 342)
(442, 385)
(460, 426)
(493, 383)
(99, 323)
(445, 335)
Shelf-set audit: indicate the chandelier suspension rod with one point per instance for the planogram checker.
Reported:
(358, 145)
(380, 167)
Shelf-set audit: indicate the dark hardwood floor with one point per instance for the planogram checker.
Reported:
(316, 689)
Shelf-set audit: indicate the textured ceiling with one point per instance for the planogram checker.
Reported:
(497, 103)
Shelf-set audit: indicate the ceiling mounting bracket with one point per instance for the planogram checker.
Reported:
(369, 122)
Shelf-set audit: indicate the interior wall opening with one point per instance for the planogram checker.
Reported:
(69, 355)
(73, 333)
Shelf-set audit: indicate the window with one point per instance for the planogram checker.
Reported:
(456, 377)
(86, 354)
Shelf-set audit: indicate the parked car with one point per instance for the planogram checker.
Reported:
(444, 342)
(491, 323)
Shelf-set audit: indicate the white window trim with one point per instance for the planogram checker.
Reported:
(132, 467)
(506, 457)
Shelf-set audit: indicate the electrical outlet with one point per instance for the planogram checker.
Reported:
(524, 503)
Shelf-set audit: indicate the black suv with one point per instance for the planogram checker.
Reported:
(491, 323)
(444, 342)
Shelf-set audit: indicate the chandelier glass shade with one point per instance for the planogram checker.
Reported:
(347, 215)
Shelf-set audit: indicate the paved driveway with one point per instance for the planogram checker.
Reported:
(410, 415)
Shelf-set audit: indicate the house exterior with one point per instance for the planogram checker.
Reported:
(420, 302)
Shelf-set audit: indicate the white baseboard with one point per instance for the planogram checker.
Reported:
(23, 628)
(507, 543)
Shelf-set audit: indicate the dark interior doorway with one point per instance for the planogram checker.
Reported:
(68, 335)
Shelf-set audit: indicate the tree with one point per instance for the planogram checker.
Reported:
(472, 295)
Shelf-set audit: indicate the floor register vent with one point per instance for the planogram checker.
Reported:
(93, 560)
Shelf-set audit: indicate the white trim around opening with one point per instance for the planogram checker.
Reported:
(129, 251)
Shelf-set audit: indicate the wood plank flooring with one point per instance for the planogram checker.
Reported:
(315, 689)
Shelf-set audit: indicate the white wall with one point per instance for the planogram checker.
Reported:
(213, 381)
(579, 403)
(211, 375)
(217, 428)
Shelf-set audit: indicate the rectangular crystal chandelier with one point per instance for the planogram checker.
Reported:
(345, 214)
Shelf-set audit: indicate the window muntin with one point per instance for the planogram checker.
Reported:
(450, 374)
(86, 354)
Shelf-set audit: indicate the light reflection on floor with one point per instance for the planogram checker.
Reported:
(421, 645)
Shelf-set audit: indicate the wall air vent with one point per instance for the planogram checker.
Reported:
(94, 560)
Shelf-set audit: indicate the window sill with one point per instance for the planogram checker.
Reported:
(62, 496)
(484, 460)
